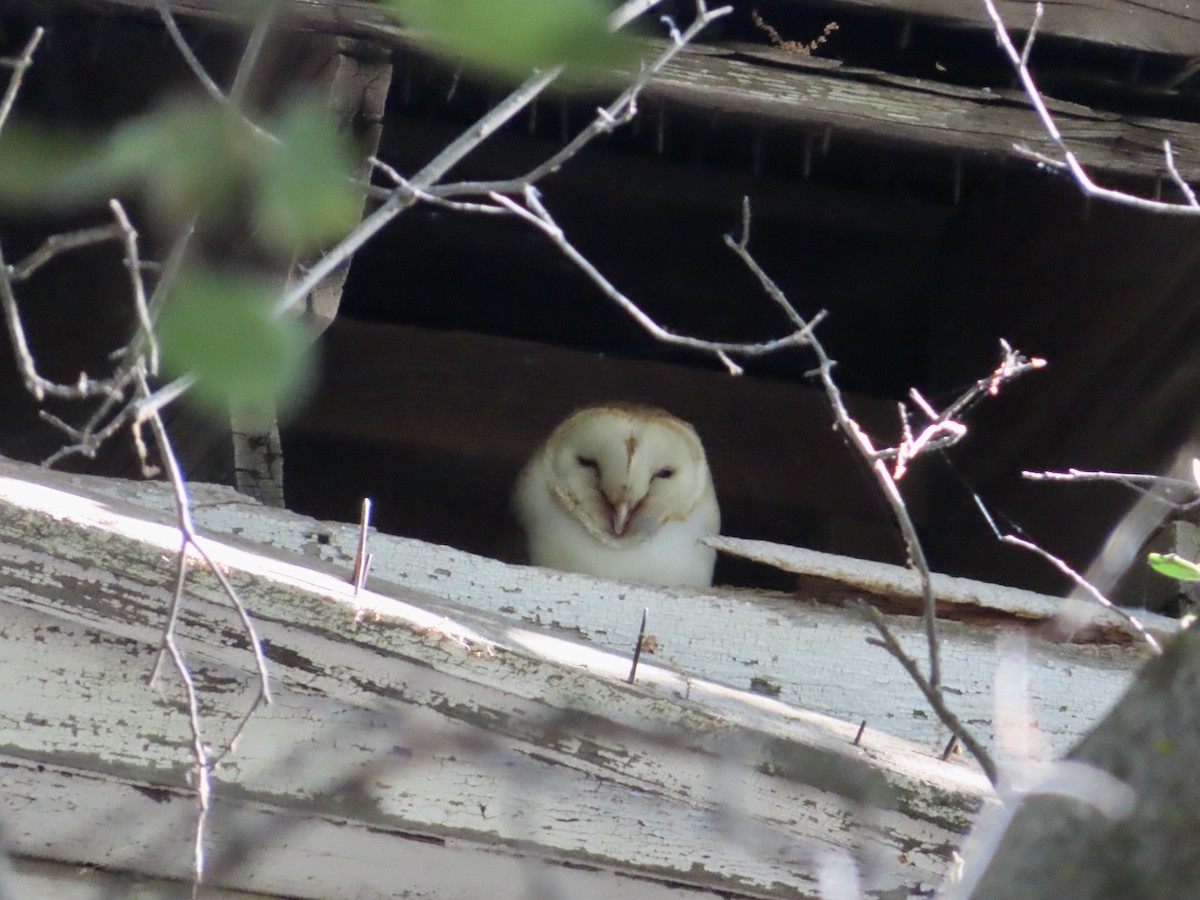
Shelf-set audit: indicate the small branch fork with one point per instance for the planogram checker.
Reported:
(1067, 161)
(942, 431)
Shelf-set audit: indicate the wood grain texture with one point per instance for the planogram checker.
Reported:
(414, 745)
(1162, 26)
(867, 104)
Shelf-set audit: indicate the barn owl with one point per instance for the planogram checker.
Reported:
(621, 492)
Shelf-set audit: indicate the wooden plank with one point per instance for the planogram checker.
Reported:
(808, 654)
(864, 104)
(475, 396)
(919, 112)
(431, 420)
(410, 746)
(1161, 26)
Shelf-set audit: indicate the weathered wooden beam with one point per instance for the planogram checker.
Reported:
(1164, 26)
(917, 112)
(478, 397)
(1161, 26)
(861, 103)
(413, 745)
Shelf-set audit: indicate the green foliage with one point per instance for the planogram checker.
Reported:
(512, 37)
(218, 325)
(305, 198)
(1174, 566)
(197, 156)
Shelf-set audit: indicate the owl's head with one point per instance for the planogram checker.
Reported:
(625, 471)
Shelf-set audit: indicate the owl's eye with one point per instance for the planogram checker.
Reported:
(588, 462)
(666, 472)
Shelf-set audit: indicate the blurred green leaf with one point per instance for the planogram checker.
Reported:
(57, 169)
(1174, 566)
(191, 155)
(218, 325)
(514, 36)
(306, 197)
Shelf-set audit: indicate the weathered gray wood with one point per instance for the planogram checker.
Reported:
(411, 747)
(1164, 26)
(961, 598)
(807, 654)
(863, 104)
(358, 79)
(1161, 26)
(919, 112)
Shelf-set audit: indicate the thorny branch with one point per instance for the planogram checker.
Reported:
(1067, 161)
(942, 431)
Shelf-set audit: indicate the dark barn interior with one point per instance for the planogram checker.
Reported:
(883, 189)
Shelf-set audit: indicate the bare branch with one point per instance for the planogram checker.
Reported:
(942, 431)
(18, 65)
(538, 216)
(933, 693)
(861, 442)
(250, 55)
(197, 67)
(61, 243)
(1069, 161)
(1090, 589)
(1156, 487)
(406, 193)
(138, 287)
(38, 386)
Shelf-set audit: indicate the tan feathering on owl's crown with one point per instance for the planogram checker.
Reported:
(621, 491)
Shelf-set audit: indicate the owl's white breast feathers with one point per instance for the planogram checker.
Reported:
(621, 492)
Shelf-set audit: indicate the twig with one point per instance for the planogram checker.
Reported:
(1090, 589)
(932, 694)
(250, 54)
(39, 387)
(860, 441)
(941, 430)
(951, 746)
(1069, 161)
(138, 287)
(18, 66)
(1152, 486)
(61, 243)
(405, 194)
(536, 214)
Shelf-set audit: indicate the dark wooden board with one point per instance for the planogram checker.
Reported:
(842, 101)
(1160, 26)
(440, 422)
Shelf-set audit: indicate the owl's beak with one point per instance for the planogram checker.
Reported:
(622, 513)
(620, 518)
